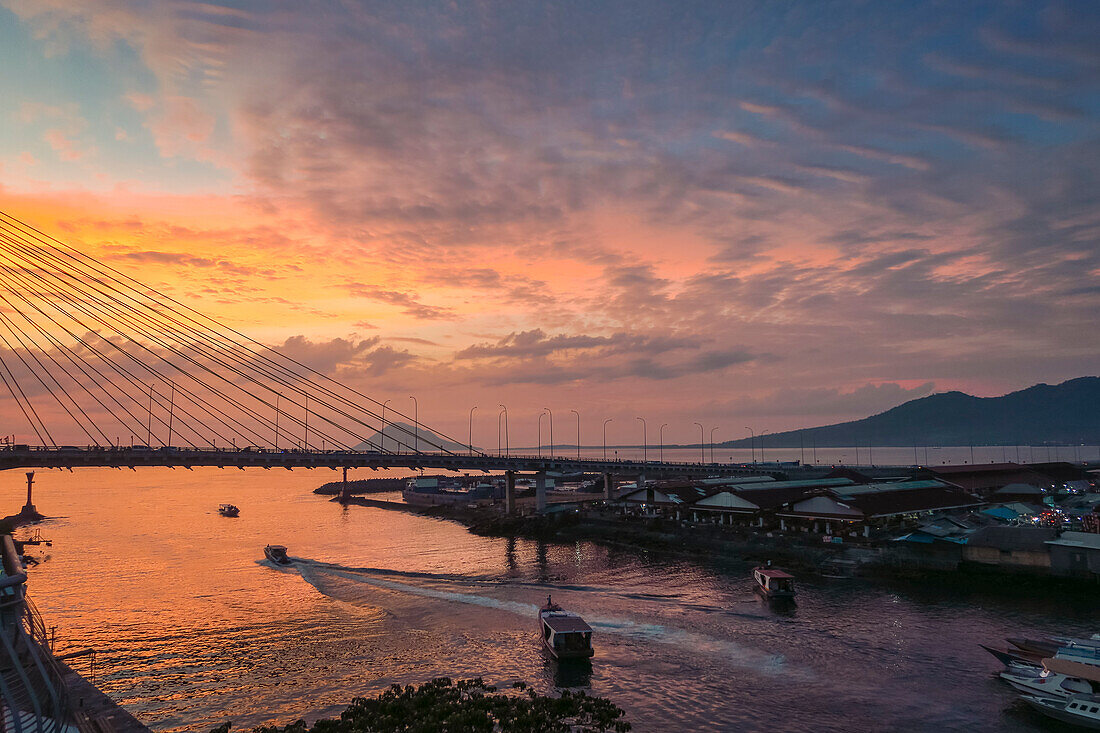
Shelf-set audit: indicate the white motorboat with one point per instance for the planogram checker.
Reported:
(1079, 710)
(1044, 683)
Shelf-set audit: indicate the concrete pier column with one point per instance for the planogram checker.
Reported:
(608, 487)
(29, 508)
(540, 492)
(783, 525)
(510, 492)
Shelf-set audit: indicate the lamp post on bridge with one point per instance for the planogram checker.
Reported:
(471, 443)
(416, 425)
(504, 412)
(712, 443)
(752, 444)
(605, 422)
(661, 440)
(149, 424)
(171, 408)
(762, 434)
(551, 430)
(702, 444)
(541, 414)
(276, 421)
(643, 438)
(384, 425)
(578, 433)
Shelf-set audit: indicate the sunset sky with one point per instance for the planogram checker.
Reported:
(767, 214)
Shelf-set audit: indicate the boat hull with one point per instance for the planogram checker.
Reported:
(1008, 657)
(562, 654)
(1053, 708)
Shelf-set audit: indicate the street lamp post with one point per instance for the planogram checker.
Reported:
(752, 444)
(702, 444)
(541, 414)
(578, 433)
(471, 441)
(712, 443)
(548, 411)
(643, 438)
(762, 434)
(605, 422)
(661, 440)
(416, 425)
(503, 411)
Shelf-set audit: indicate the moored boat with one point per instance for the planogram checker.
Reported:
(1080, 710)
(1044, 683)
(228, 510)
(564, 634)
(277, 554)
(772, 583)
(1008, 657)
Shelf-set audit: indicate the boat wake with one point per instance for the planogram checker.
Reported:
(332, 580)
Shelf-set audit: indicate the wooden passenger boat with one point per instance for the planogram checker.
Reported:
(564, 634)
(773, 584)
(228, 510)
(277, 554)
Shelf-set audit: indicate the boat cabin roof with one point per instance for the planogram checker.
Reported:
(277, 547)
(769, 573)
(565, 623)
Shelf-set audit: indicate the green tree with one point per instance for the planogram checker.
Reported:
(466, 705)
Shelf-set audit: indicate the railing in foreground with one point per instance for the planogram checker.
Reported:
(32, 693)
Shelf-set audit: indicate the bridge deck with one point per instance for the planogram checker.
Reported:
(22, 456)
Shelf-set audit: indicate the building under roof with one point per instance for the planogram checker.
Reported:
(876, 502)
(985, 479)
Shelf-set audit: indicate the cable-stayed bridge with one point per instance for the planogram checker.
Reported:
(89, 355)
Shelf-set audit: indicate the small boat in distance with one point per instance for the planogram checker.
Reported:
(773, 584)
(277, 554)
(228, 510)
(564, 634)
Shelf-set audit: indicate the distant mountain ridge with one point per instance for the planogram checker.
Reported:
(1067, 414)
(399, 436)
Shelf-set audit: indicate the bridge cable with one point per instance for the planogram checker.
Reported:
(82, 260)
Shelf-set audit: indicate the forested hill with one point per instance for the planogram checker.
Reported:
(1067, 413)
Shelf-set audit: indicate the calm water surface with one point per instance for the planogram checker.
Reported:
(193, 626)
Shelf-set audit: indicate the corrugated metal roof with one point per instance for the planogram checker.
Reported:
(824, 483)
(878, 488)
(1012, 538)
(1088, 540)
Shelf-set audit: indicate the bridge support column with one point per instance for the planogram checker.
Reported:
(509, 492)
(29, 508)
(344, 494)
(540, 492)
(608, 487)
(648, 489)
